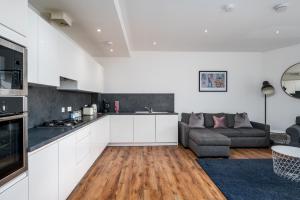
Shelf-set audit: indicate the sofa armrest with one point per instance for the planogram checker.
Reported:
(294, 132)
(184, 130)
(261, 126)
(264, 127)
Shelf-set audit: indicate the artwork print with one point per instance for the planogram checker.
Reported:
(212, 81)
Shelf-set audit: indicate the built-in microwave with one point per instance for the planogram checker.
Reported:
(13, 137)
(13, 69)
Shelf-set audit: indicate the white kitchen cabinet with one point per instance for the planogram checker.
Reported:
(48, 54)
(32, 47)
(67, 166)
(106, 127)
(52, 54)
(167, 128)
(13, 15)
(43, 173)
(18, 191)
(144, 128)
(83, 154)
(121, 129)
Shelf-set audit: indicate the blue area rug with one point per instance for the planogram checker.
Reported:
(249, 179)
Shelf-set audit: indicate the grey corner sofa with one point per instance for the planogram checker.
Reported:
(216, 142)
(294, 132)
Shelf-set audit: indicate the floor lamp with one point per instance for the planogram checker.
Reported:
(267, 89)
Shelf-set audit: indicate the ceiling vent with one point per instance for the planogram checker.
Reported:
(228, 7)
(61, 18)
(281, 7)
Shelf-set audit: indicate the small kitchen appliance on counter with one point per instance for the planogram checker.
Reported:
(88, 111)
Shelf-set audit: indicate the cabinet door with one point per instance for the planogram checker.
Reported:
(121, 129)
(106, 124)
(48, 57)
(83, 155)
(13, 14)
(144, 128)
(18, 191)
(167, 128)
(43, 174)
(67, 166)
(32, 47)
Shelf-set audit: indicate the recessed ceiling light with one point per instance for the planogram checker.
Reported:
(99, 30)
(205, 30)
(277, 32)
(111, 50)
(154, 43)
(109, 43)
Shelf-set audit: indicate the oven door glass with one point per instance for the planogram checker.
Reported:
(11, 69)
(11, 146)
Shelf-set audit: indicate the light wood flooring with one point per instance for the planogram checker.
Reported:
(156, 173)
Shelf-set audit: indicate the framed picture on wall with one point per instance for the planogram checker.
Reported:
(212, 81)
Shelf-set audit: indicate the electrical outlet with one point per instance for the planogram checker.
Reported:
(69, 108)
(63, 109)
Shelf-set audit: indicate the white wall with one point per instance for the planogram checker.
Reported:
(177, 72)
(282, 109)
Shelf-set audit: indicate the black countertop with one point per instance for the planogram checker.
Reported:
(144, 113)
(41, 136)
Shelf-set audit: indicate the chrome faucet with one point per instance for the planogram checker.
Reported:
(149, 109)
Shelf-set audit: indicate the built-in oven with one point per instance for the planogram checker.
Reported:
(13, 137)
(13, 69)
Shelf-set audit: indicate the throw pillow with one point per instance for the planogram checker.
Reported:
(219, 122)
(196, 120)
(242, 121)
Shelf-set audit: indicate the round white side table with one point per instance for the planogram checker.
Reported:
(286, 162)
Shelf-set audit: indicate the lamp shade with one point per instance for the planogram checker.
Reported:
(267, 88)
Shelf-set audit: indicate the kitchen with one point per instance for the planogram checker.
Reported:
(56, 119)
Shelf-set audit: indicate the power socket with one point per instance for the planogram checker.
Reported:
(63, 109)
(69, 108)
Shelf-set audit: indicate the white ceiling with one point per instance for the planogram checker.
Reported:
(178, 25)
(87, 17)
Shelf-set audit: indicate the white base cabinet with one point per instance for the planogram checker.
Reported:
(166, 128)
(144, 128)
(43, 174)
(121, 128)
(139, 130)
(18, 191)
(56, 169)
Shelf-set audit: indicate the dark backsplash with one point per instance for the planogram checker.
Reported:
(137, 102)
(44, 103)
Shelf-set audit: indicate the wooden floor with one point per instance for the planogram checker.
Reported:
(165, 173)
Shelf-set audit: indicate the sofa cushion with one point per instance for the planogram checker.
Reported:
(196, 120)
(230, 120)
(208, 119)
(208, 137)
(219, 122)
(229, 132)
(185, 117)
(241, 120)
(251, 132)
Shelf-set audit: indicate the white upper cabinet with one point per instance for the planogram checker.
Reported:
(32, 48)
(13, 15)
(52, 54)
(48, 54)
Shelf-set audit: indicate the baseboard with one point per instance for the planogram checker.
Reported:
(145, 144)
(277, 131)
